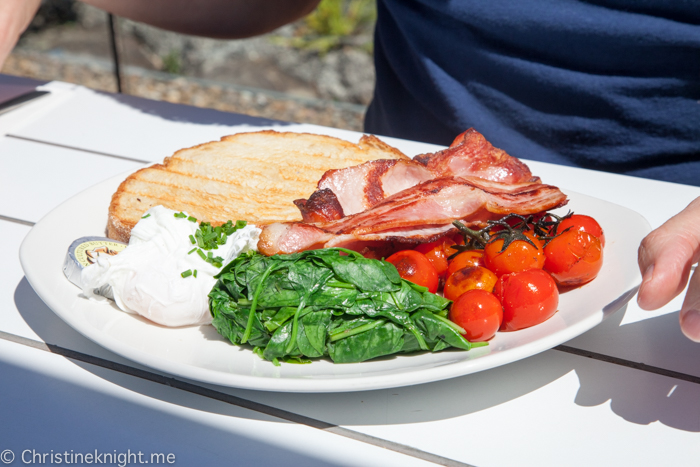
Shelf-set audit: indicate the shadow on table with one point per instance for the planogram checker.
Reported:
(639, 396)
(189, 114)
(51, 413)
(636, 396)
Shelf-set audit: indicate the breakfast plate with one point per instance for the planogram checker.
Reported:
(200, 353)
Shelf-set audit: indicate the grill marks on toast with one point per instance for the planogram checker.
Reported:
(251, 176)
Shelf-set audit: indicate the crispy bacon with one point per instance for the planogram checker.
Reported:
(443, 200)
(382, 202)
(472, 155)
(361, 187)
(322, 206)
(418, 214)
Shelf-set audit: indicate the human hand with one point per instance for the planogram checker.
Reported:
(15, 16)
(665, 259)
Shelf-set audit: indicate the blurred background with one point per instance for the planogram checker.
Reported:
(318, 70)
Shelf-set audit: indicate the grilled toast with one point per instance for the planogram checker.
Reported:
(252, 176)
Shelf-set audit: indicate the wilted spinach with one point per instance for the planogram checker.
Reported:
(323, 303)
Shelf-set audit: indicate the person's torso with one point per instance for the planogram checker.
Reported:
(607, 84)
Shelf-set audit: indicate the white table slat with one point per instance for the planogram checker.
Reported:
(11, 280)
(35, 178)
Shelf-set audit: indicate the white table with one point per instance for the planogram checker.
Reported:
(625, 393)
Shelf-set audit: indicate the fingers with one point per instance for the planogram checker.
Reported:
(665, 258)
(665, 264)
(690, 312)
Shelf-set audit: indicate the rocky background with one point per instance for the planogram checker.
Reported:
(317, 70)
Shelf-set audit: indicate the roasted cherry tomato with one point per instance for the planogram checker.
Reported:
(519, 255)
(415, 267)
(574, 257)
(464, 260)
(458, 238)
(585, 224)
(528, 298)
(479, 313)
(473, 277)
(437, 252)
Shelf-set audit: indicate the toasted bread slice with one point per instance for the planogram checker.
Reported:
(251, 176)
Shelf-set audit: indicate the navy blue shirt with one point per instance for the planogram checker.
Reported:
(609, 85)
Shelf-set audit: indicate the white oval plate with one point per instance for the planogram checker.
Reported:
(199, 353)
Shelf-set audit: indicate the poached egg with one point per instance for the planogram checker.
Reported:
(147, 277)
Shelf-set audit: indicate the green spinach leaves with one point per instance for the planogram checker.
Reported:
(328, 303)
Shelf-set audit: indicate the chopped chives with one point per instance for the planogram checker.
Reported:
(180, 215)
(195, 273)
(147, 215)
(190, 252)
(187, 273)
(208, 238)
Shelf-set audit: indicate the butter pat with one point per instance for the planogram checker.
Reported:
(83, 252)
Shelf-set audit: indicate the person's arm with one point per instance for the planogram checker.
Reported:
(223, 19)
(15, 16)
(665, 258)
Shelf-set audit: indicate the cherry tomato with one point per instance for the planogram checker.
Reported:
(479, 313)
(574, 257)
(465, 259)
(519, 256)
(458, 238)
(473, 277)
(583, 223)
(437, 252)
(528, 298)
(415, 267)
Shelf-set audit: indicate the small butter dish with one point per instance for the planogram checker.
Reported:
(83, 252)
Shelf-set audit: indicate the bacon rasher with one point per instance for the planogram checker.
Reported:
(379, 202)
(420, 213)
(343, 192)
(348, 191)
(470, 154)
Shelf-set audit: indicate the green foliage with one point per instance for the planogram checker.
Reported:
(172, 63)
(341, 18)
(321, 303)
(333, 24)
